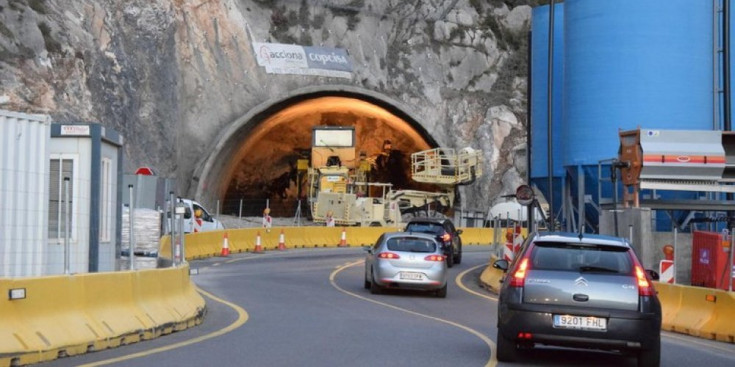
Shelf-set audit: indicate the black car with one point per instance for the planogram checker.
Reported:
(584, 291)
(445, 232)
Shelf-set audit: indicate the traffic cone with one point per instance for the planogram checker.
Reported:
(281, 241)
(225, 247)
(258, 246)
(343, 239)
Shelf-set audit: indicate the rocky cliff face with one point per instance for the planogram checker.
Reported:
(170, 75)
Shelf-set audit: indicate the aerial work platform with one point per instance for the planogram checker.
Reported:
(446, 166)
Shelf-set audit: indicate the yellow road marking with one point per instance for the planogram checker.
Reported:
(458, 280)
(490, 363)
(242, 318)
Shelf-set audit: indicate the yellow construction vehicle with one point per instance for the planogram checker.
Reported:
(337, 181)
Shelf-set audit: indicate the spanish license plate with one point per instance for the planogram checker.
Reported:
(580, 322)
(411, 276)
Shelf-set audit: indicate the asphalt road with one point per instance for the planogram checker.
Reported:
(309, 308)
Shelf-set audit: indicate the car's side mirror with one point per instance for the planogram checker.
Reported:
(653, 274)
(501, 264)
(459, 232)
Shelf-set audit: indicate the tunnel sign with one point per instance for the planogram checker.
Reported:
(278, 58)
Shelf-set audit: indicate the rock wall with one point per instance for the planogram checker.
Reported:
(170, 75)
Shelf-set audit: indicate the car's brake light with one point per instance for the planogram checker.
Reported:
(645, 287)
(435, 258)
(388, 255)
(518, 279)
(446, 237)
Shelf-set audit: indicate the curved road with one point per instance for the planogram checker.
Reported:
(309, 308)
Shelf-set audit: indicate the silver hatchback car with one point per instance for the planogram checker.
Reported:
(584, 291)
(406, 260)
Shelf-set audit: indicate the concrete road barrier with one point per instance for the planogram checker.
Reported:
(74, 314)
(207, 244)
(702, 312)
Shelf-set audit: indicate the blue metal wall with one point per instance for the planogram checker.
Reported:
(631, 63)
(539, 90)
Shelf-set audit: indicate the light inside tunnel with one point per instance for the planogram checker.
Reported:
(265, 164)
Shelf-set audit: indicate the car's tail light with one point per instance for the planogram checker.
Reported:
(388, 255)
(435, 258)
(446, 237)
(518, 279)
(645, 287)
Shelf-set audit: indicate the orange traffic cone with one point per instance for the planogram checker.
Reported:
(281, 241)
(225, 247)
(343, 239)
(258, 246)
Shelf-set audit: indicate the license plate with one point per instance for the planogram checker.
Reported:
(411, 276)
(580, 322)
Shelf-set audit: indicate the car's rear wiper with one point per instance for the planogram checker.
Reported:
(584, 269)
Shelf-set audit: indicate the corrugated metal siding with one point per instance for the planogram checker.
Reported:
(24, 141)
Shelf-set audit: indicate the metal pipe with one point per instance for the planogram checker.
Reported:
(131, 231)
(726, 105)
(726, 65)
(550, 110)
(172, 224)
(67, 250)
(731, 269)
(676, 236)
(715, 58)
(180, 210)
(582, 219)
(614, 177)
(529, 133)
(630, 233)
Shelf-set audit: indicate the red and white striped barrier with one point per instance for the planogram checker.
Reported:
(666, 271)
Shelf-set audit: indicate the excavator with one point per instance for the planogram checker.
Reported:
(338, 184)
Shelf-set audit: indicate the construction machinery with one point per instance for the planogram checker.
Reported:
(339, 185)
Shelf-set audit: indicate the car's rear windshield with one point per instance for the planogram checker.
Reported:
(425, 228)
(581, 257)
(411, 244)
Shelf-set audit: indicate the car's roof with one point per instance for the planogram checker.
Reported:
(389, 235)
(588, 238)
(428, 220)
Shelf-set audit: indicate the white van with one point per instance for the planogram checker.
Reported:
(205, 221)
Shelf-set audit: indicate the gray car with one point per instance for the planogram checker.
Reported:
(406, 260)
(584, 291)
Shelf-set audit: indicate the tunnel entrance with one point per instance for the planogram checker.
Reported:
(263, 167)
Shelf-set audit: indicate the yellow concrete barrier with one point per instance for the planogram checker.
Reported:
(477, 236)
(74, 314)
(722, 324)
(703, 312)
(670, 298)
(207, 244)
(490, 277)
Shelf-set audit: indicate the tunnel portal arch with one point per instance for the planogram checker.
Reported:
(254, 155)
